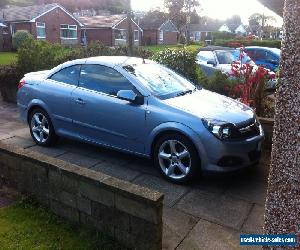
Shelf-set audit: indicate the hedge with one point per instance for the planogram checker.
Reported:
(9, 78)
(238, 42)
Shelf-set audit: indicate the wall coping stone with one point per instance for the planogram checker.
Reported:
(124, 187)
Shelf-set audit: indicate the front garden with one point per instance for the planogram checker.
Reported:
(7, 58)
(26, 225)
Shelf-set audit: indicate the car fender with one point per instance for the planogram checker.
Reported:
(41, 104)
(181, 128)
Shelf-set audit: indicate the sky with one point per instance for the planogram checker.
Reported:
(221, 9)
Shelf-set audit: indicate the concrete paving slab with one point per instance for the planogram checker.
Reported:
(173, 192)
(176, 226)
(23, 132)
(255, 222)
(145, 166)
(220, 209)
(21, 142)
(122, 172)
(78, 159)
(49, 151)
(252, 191)
(210, 236)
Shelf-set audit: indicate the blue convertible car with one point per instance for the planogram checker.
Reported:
(144, 108)
(265, 57)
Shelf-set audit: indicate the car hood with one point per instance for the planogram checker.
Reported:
(207, 104)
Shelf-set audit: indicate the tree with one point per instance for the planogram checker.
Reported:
(180, 10)
(282, 214)
(154, 15)
(258, 22)
(234, 21)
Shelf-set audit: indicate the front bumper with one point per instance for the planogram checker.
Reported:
(228, 156)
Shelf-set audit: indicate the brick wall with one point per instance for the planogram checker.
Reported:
(129, 213)
(170, 37)
(104, 35)
(24, 26)
(150, 37)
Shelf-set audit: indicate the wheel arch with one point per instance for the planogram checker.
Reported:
(171, 128)
(34, 104)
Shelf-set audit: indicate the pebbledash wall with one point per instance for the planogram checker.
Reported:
(129, 213)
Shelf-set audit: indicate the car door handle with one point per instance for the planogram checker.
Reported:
(80, 101)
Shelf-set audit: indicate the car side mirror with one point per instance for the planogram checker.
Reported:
(212, 62)
(130, 96)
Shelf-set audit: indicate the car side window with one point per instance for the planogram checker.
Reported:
(260, 55)
(206, 56)
(271, 56)
(103, 79)
(69, 75)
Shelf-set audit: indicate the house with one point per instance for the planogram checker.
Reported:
(159, 32)
(5, 38)
(233, 28)
(50, 22)
(225, 28)
(201, 32)
(241, 30)
(111, 30)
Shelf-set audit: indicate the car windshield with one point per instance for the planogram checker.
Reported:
(160, 81)
(275, 51)
(229, 56)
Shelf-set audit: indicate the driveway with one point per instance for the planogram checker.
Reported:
(211, 213)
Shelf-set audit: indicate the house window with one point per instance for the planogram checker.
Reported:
(136, 35)
(68, 31)
(12, 29)
(40, 30)
(120, 34)
(161, 35)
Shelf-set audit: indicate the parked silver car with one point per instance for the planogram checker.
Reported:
(144, 108)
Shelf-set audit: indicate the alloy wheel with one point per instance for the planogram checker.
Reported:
(40, 127)
(174, 159)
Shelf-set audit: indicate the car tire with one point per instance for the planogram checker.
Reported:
(41, 128)
(177, 158)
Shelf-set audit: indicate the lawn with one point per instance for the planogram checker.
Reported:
(157, 48)
(7, 57)
(28, 226)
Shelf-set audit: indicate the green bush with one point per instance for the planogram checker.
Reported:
(9, 79)
(243, 42)
(219, 83)
(36, 55)
(19, 38)
(223, 35)
(182, 61)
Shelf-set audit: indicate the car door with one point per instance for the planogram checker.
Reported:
(100, 116)
(57, 96)
(207, 62)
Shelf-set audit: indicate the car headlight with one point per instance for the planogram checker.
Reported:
(222, 130)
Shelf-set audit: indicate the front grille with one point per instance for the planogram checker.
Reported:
(248, 130)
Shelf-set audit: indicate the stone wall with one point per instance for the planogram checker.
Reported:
(129, 213)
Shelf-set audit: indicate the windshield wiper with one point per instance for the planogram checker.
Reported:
(190, 91)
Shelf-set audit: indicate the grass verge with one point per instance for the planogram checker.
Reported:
(7, 57)
(25, 225)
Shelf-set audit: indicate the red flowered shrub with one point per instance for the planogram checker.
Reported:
(251, 83)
